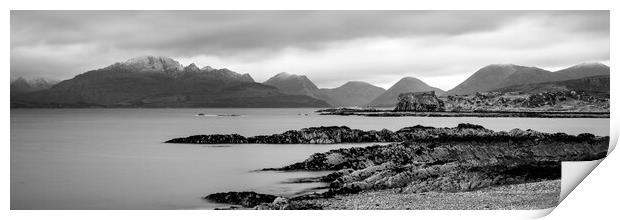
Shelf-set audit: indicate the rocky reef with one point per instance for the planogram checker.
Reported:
(419, 102)
(312, 135)
(427, 159)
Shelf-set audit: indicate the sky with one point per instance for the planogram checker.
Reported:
(442, 48)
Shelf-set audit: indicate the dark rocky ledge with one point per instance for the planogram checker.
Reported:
(465, 158)
(344, 134)
(246, 199)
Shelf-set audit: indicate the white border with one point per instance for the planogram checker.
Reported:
(593, 198)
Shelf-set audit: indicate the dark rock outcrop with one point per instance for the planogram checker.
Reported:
(338, 134)
(246, 199)
(451, 162)
(516, 145)
(262, 201)
(419, 102)
(464, 158)
(313, 135)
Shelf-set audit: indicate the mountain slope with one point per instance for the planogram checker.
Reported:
(162, 82)
(532, 75)
(353, 93)
(592, 85)
(581, 71)
(21, 85)
(494, 77)
(408, 84)
(527, 75)
(485, 79)
(293, 84)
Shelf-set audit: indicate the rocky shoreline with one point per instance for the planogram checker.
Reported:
(485, 114)
(463, 159)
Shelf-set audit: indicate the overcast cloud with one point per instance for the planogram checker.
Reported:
(331, 47)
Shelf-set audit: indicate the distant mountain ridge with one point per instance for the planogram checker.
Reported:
(157, 81)
(485, 79)
(592, 85)
(293, 84)
(162, 82)
(21, 85)
(408, 84)
(352, 93)
(495, 77)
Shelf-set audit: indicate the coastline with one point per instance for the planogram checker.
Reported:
(464, 167)
(488, 114)
(524, 196)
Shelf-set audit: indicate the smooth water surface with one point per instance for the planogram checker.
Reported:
(116, 158)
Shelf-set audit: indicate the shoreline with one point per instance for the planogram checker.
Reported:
(487, 114)
(524, 196)
(464, 167)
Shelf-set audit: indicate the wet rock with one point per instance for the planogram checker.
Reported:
(246, 199)
(211, 139)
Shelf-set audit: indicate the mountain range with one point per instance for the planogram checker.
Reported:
(353, 93)
(21, 85)
(152, 81)
(493, 77)
(162, 82)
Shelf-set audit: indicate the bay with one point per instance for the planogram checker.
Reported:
(116, 158)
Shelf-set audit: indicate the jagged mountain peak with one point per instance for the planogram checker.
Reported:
(21, 84)
(151, 63)
(192, 68)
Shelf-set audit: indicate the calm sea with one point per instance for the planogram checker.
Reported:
(115, 158)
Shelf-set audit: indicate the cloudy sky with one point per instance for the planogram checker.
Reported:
(331, 47)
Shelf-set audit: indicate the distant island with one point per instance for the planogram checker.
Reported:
(161, 82)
